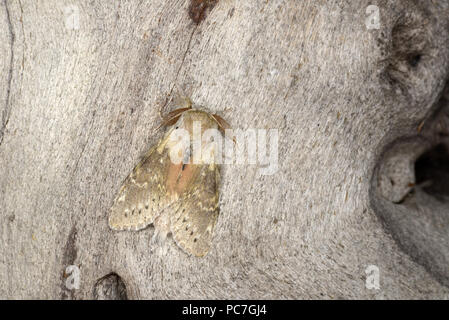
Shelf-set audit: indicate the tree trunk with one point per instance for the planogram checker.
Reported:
(356, 101)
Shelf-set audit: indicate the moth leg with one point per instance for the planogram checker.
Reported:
(158, 237)
(161, 227)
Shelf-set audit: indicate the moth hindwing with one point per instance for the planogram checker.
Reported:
(177, 197)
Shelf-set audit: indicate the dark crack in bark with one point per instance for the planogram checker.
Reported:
(7, 109)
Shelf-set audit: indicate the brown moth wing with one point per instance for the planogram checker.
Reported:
(143, 194)
(222, 123)
(173, 116)
(195, 214)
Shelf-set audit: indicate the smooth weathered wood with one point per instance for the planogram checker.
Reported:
(79, 105)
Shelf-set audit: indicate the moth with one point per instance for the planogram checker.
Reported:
(178, 198)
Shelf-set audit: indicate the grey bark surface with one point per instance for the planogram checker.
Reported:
(79, 106)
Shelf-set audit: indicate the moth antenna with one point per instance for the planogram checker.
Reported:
(222, 123)
(185, 104)
(180, 99)
(162, 107)
(160, 113)
(173, 116)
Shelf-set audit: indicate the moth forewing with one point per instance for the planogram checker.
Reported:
(142, 195)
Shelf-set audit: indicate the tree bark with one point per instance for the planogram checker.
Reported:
(355, 107)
